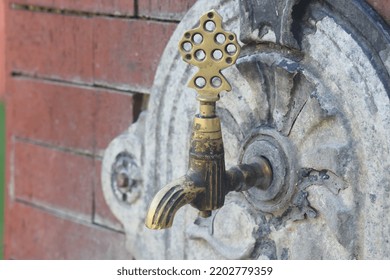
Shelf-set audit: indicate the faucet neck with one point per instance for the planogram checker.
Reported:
(207, 109)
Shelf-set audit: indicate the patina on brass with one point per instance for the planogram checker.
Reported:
(206, 183)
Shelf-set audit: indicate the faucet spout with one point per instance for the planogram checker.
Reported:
(169, 199)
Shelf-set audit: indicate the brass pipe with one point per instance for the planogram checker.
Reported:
(207, 109)
(245, 176)
(207, 162)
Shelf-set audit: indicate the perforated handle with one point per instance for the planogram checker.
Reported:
(211, 49)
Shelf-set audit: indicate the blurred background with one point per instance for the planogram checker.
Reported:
(73, 75)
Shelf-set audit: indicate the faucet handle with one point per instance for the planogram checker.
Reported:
(211, 49)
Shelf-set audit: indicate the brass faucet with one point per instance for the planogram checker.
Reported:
(211, 49)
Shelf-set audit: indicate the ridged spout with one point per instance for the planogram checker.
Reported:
(168, 200)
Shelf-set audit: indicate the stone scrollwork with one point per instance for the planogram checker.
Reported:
(310, 89)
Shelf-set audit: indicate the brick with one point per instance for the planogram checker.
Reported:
(103, 215)
(128, 57)
(50, 45)
(44, 45)
(114, 115)
(115, 7)
(69, 116)
(54, 178)
(169, 9)
(56, 114)
(35, 234)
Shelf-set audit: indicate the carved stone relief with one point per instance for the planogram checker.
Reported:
(311, 91)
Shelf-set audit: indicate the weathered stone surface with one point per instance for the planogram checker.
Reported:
(268, 21)
(328, 108)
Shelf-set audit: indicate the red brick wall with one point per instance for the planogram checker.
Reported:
(76, 72)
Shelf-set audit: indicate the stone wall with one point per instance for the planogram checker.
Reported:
(76, 75)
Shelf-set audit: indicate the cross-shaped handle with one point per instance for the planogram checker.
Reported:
(211, 49)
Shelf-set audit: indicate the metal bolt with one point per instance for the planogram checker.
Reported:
(125, 177)
(123, 180)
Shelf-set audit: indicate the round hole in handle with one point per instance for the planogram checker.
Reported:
(231, 49)
(197, 38)
(200, 55)
(216, 81)
(186, 46)
(217, 54)
(220, 38)
(209, 26)
(200, 82)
